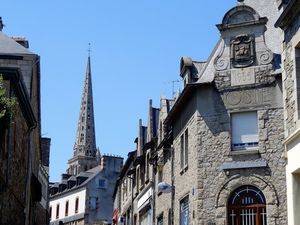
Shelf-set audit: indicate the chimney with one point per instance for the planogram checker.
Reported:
(45, 151)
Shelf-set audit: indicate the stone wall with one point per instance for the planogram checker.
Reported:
(14, 164)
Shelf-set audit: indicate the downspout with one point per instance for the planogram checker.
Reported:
(28, 177)
(172, 184)
(153, 191)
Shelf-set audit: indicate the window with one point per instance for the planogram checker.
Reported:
(160, 131)
(142, 176)
(147, 165)
(146, 218)
(57, 211)
(184, 149)
(184, 211)
(67, 208)
(160, 220)
(160, 175)
(93, 202)
(244, 130)
(247, 205)
(50, 212)
(102, 183)
(137, 179)
(76, 205)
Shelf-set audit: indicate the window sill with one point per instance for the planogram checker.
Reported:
(245, 151)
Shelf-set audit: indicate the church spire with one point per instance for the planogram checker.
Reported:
(85, 143)
(85, 151)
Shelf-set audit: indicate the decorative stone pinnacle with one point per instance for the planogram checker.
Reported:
(1, 24)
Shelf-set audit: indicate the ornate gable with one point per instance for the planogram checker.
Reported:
(243, 53)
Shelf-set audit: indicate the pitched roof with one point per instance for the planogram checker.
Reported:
(10, 47)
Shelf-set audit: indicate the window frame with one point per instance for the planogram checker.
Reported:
(184, 200)
(76, 205)
(67, 208)
(57, 211)
(102, 181)
(50, 213)
(184, 150)
(247, 201)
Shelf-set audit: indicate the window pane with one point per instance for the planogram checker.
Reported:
(244, 129)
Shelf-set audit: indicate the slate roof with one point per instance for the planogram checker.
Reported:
(89, 175)
(10, 47)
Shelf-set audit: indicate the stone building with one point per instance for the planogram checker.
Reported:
(124, 193)
(24, 156)
(84, 195)
(227, 126)
(134, 196)
(289, 22)
(217, 157)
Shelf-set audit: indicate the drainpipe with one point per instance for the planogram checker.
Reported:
(173, 187)
(28, 212)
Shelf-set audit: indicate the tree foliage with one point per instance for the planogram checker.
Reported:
(7, 105)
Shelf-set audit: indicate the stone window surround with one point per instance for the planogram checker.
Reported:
(227, 187)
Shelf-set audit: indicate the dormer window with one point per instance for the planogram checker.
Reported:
(102, 183)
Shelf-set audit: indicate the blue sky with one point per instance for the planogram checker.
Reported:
(136, 47)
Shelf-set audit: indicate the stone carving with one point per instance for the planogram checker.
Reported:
(265, 58)
(250, 98)
(242, 51)
(221, 64)
(242, 77)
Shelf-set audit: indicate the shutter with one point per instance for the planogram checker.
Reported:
(244, 129)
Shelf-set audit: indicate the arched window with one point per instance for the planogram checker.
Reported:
(247, 206)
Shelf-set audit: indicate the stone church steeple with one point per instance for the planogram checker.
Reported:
(85, 152)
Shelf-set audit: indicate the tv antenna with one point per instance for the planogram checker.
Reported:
(173, 86)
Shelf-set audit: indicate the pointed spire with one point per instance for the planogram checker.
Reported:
(1, 24)
(85, 143)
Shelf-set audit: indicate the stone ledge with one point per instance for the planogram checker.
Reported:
(261, 163)
(243, 151)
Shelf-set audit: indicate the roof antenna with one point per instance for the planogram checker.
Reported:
(173, 86)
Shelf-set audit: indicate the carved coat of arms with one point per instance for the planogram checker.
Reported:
(242, 51)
